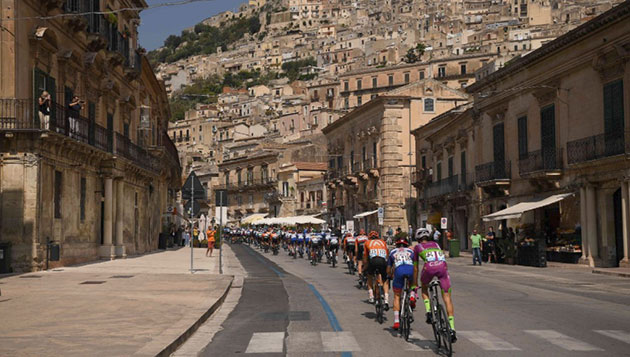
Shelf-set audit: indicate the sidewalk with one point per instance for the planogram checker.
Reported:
(139, 306)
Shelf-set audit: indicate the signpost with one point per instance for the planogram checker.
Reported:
(192, 188)
(221, 202)
(444, 223)
(381, 215)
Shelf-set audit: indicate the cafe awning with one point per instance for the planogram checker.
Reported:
(253, 218)
(365, 214)
(517, 210)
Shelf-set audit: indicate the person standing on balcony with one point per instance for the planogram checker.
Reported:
(74, 110)
(44, 102)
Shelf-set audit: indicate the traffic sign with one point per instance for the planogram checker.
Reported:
(196, 208)
(444, 223)
(380, 221)
(170, 209)
(381, 213)
(193, 187)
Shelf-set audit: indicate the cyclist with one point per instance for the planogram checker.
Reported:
(375, 258)
(316, 240)
(399, 266)
(361, 239)
(434, 266)
(348, 246)
(333, 245)
(293, 236)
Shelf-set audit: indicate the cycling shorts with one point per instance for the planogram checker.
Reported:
(315, 244)
(293, 240)
(334, 247)
(350, 248)
(360, 252)
(377, 263)
(440, 271)
(401, 272)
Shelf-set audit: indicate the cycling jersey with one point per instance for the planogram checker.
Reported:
(434, 264)
(401, 259)
(334, 240)
(376, 248)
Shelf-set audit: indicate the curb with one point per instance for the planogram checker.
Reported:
(172, 347)
(612, 273)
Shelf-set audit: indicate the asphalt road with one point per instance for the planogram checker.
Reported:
(290, 307)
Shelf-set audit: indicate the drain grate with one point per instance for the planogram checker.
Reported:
(30, 277)
(91, 282)
(121, 276)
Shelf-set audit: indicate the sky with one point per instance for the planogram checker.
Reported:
(159, 23)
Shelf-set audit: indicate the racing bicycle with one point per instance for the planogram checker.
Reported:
(439, 319)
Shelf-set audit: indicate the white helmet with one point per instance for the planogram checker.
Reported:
(421, 233)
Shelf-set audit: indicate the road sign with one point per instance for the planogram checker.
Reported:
(193, 183)
(196, 208)
(444, 223)
(221, 198)
(381, 214)
(170, 209)
(380, 221)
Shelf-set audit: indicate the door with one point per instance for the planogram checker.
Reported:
(548, 137)
(618, 226)
(499, 151)
(110, 132)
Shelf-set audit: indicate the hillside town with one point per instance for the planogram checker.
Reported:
(322, 141)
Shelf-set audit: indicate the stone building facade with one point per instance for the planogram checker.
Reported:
(95, 180)
(550, 125)
(371, 153)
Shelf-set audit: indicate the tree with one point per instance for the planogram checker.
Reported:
(411, 56)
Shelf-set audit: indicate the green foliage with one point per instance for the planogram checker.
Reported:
(414, 54)
(204, 39)
(292, 69)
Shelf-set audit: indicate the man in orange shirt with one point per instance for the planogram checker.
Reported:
(210, 234)
(375, 256)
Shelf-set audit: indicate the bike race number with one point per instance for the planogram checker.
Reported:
(403, 258)
(435, 256)
(378, 253)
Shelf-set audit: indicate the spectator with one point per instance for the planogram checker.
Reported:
(476, 240)
(490, 236)
(211, 233)
(44, 102)
(74, 110)
(436, 235)
(186, 237)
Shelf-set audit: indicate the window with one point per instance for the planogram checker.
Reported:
(363, 154)
(421, 74)
(352, 160)
(515, 47)
(285, 189)
(82, 199)
(462, 68)
(251, 199)
(346, 86)
(613, 110)
(462, 168)
(441, 71)
(339, 162)
(238, 177)
(374, 154)
(406, 77)
(390, 79)
(57, 194)
(450, 166)
(346, 103)
(330, 119)
(522, 137)
(438, 170)
(429, 105)
(359, 100)
(331, 163)
(359, 84)
(374, 82)
(424, 162)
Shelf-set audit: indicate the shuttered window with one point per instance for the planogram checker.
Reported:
(522, 137)
(613, 108)
(82, 199)
(57, 194)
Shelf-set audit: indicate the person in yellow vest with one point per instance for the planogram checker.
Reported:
(210, 235)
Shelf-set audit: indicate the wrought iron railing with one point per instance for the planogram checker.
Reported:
(19, 114)
(420, 176)
(442, 187)
(491, 171)
(541, 161)
(596, 147)
(77, 6)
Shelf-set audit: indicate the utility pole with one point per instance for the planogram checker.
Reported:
(192, 204)
(221, 231)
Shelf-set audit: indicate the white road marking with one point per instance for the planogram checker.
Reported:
(266, 342)
(622, 336)
(563, 341)
(342, 341)
(488, 341)
(300, 342)
(418, 343)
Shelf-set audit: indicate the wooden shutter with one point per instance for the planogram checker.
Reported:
(548, 136)
(613, 117)
(499, 150)
(522, 137)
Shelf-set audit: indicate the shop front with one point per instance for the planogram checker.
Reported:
(542, 230)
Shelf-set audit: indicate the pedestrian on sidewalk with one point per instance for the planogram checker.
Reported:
(186, 237)
(476, 240)
(211, 233)
(491, 244)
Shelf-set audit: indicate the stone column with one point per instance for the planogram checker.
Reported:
(625, 213)
(391, 174)
(106, 251)
(584, 225)
(591, 214)
(120, 247)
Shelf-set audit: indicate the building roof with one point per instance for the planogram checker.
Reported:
(613, 15)
(311, 166)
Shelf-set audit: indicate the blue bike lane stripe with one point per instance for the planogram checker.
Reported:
(334, 323)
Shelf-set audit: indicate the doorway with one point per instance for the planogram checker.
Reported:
(618, 226)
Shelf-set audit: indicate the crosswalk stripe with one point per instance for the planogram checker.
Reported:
(488, 341)
(563, 341)
(417, 342)
(342, 341)
(266, 342)
(622, 336)
(300, 342)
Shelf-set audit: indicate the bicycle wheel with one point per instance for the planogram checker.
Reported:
(404, 318)
(435, 323)
(445, 331)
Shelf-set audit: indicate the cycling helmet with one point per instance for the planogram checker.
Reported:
(362, 232)
(402, 241)
(373, 235)
(422, 233)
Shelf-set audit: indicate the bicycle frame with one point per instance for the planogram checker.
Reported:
(439, 319)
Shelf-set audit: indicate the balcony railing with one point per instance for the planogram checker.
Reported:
(596, 147)
(19, 115)
(442, 187)
(541, 161)
(420, 176)
(493, 171)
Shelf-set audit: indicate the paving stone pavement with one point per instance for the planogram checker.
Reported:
(137, 306)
